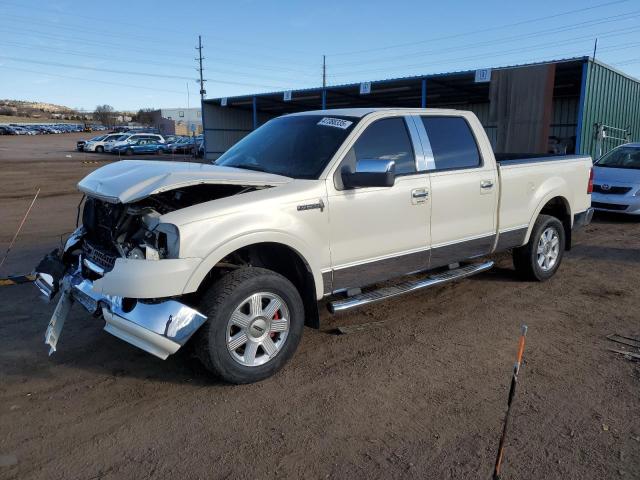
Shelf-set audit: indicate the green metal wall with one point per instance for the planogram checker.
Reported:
(611, 98)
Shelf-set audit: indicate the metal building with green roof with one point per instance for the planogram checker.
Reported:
(575, 105)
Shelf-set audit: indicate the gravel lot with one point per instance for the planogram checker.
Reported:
(421, 395)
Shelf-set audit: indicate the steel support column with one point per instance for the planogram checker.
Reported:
(324, 99)
(423, 103)
(583, 91)
(255, 112)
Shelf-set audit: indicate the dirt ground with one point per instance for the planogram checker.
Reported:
(420, 396)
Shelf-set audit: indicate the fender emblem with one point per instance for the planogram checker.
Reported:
(312, 206)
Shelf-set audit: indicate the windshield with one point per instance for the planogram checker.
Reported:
(294, 146)
(98, 138)
(621, 157)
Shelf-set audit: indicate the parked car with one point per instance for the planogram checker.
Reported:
(616, 180)
(183, 145)
(128, 138)
(7, 130)
(102, 145)
(309, 205)
(80, 144)
(139, 146)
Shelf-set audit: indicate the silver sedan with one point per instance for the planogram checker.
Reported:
(616, 180)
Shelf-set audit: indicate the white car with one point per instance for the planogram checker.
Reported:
(133, 138)
(310, 205)
(100, 144)
(616, 180)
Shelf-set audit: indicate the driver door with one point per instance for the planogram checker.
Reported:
(377, 233)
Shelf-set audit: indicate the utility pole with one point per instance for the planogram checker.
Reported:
(203, 92)
(595, 48)
(202, 80)
(324, 71)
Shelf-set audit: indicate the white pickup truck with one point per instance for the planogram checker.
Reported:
(233, 257)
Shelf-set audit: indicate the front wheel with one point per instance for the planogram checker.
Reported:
(255, 319)
(541, 257)
(99, 149)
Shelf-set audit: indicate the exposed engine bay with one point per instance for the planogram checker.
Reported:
(134, 230)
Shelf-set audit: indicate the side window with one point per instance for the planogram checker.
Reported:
(452, 143)
(386, 139)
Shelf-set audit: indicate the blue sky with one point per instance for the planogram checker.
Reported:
(141, 54)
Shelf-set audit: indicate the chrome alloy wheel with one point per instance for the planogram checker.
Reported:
(548, 249)
(258, 329)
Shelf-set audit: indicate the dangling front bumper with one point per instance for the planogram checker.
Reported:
(157, 326)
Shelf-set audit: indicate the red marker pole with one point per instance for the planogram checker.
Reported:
(512, 392)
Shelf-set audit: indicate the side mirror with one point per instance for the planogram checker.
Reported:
(370, 173)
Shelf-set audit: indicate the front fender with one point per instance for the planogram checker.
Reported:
(304, 250)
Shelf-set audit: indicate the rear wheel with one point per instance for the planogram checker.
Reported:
(254, 323)
(541, 257)
(128, 151)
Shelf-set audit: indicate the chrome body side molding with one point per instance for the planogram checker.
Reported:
(379, 270)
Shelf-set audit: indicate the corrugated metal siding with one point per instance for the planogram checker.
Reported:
(226, 126)
(565, 115)
(612, 99)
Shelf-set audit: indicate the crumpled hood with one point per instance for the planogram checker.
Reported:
(132, 180)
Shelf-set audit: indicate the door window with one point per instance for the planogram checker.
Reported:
(385, 139)
(452, 143)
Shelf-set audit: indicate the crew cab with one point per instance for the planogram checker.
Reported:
(231, 259)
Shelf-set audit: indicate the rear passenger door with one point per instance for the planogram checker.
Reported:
(464, 192)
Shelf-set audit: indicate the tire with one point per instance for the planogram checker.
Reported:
(232, 312)
(540, 259)
(99, 149)
(128, 152)
(159, 151)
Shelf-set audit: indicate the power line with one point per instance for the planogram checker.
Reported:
(137, 26)
(63, 51)
(129, 49)
(472, 57)
(119, 84)
(483, 30)
(498, 41)
(127, 72)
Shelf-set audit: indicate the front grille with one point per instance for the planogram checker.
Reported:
(611, 190)
(609, 206)
(102, 259)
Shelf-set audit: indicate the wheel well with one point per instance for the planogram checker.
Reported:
(281, 259)
(559, 207)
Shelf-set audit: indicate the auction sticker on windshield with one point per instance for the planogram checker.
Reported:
(335, 122)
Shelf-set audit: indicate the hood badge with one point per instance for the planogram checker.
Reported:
(312, 206)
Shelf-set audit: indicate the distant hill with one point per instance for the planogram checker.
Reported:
(21, 105)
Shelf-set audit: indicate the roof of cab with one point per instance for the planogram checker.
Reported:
(361, 112)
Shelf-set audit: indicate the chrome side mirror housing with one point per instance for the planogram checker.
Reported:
(370, 173)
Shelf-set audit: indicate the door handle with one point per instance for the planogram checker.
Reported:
(419, 195)
(486, 184)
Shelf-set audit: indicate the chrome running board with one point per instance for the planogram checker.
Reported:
(406, 287)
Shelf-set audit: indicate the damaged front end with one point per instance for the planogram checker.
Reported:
(114, 238)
